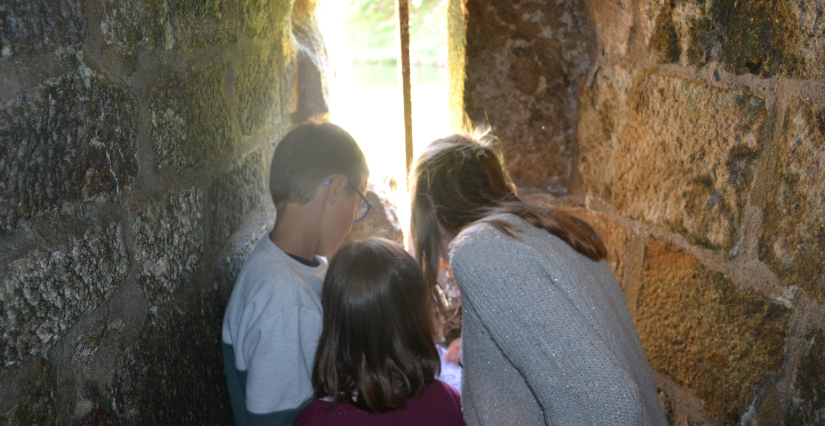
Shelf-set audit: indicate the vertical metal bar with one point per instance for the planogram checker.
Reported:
(403, 10)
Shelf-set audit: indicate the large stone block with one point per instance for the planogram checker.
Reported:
(263, 83)
(73, 138)
(168, 237)
(523, 63)
(164, 24)
(704, 332)
(27, 26)
(174, 374)
(679, 155)
(235, 195)
(190, 121)
(45, 293)
(792, 238)
(762, 37)
(807, 405)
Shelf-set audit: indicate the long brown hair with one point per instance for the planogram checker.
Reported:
(459, 180)
(377, 347)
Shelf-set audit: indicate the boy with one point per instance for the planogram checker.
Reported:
(273, 321)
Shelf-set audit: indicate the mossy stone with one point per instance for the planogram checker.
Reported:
(190, 121)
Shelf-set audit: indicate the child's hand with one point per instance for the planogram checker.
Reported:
(453, 354)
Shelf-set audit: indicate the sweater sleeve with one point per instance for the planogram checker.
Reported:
(574, 376)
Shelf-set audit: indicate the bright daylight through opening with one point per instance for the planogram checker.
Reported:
(365, 90)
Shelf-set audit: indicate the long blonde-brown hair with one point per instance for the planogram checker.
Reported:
(460, 180)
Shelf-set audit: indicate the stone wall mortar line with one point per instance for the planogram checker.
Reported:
(730, 268)
(688, 404)
(806, 314)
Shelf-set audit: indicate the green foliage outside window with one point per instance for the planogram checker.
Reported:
(374, 36)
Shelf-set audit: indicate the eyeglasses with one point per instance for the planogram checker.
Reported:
(363, 209)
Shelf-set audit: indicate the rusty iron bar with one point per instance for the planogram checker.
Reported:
(402, 8)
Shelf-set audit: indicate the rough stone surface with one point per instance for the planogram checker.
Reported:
(266, 18)
(312, 62)
(683, 159)
(604, 110)
(45, 293)
(762, 37)
(808, 402)
(792, 238)
(613, 21)
(523, 63)
(163, 24)
(190, 121)
(235, 195)
(168, 239)
(37, 407)
(27, 26)
(697, 327)
(382, 221)
(174, 374)
(263, 82)
(73, 138)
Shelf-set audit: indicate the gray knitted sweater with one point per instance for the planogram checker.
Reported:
(547, 336)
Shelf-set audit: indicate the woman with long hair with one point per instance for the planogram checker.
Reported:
(547, 337)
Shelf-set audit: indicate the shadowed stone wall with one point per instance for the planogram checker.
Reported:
(135, 138)
(695, 141)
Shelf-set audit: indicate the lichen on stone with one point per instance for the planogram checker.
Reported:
(761, 37)
(45, 293)
(168, 24)
(37, 406)
(189, 118)
(37, 26)
(235, 195)
(704, 332)
(792, 238)
(168, 237)
(73, 138)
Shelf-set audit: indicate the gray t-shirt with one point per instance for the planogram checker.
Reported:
(270, 333)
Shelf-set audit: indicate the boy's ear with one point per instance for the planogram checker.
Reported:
(336, 188)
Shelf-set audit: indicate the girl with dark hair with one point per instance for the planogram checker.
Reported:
(376, 361)
(547, 337)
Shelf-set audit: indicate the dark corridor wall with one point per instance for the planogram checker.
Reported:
(135, 137)
(692, 134)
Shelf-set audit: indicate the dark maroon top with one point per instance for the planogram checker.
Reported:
(439, 404)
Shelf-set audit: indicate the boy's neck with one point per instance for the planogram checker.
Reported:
(295, 232)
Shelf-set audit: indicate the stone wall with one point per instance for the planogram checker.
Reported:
(695, 141)
(135, 138)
